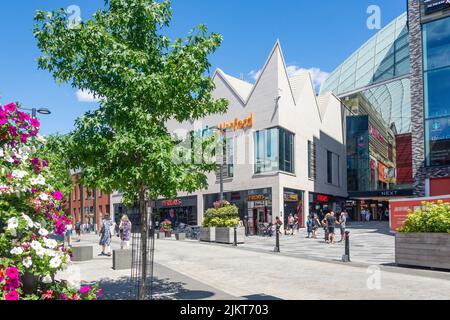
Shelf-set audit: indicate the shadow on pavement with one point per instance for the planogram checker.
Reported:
(261, 296)
(163, 289)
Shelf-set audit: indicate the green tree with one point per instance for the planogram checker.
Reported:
(143, 79)
(53, 151)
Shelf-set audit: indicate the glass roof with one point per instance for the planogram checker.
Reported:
(381, 60)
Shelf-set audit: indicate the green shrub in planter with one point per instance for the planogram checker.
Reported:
(431, 218)
(223, 217)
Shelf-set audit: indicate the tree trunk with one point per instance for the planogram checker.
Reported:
(144, 242)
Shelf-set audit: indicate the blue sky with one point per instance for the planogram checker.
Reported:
(313, 34)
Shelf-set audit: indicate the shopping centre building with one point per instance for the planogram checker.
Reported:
(398, 90)
(378, 130)
(284, 148)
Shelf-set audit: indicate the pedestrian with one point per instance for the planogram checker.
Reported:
(368, 215)
(278, 224)
(296, 224)
(363, 215)
(309, 227)
(291, 223)
(315, 225)
(69, 234)
(125, 232)
(330, 222)
(342, 224)
(105, 236)
(78, 230)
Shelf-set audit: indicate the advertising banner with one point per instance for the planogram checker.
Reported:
(432, 6)
(399, 209)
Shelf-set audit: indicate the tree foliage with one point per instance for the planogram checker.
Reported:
(143, 80)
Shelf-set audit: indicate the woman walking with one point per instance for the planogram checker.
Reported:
(125, 232)
(69, 232)
(105, 236)
(315, 225)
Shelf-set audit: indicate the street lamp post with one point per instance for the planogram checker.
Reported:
(35, 111)
(222, 195)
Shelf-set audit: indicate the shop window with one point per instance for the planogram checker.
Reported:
(274, 151)
(312, 160)
(438, 141)
(329, 167)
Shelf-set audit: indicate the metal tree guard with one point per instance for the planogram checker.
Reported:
(143, 253)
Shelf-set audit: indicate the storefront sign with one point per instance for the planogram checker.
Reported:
(400, 209)
(238, 124)
(432, 6)
(382, 173)
(256, 197)
(374, 132)
(172, 203)
(290, 197)
(322, 198)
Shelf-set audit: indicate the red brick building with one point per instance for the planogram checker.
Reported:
(87, 205)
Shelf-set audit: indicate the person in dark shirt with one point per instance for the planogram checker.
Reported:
(330, 222)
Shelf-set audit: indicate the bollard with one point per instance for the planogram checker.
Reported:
(277, 237)
(346, 256)
(235, 237)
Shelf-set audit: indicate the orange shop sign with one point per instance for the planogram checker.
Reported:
(400, 209)
(238, 124)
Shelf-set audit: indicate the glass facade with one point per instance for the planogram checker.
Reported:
(358, 170)
(274, 151)
(436, 48)
(385, 56)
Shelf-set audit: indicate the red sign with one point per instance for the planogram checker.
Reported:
(322, 198)
(374, 132)
(399, 209)
(172, 203)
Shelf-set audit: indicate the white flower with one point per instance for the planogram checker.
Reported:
(19, 174)
(27, 262)
(30, 222)
(40, 252)
(17, 251)
(13, 223)
(55, 262)
(43, 232)
(50, 243)
(47, 279)
(50, 253)
(35, 245)
(43, 197)
(40, 180)
(2, 153)
(37, 225)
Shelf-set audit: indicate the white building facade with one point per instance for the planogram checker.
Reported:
(285, 149)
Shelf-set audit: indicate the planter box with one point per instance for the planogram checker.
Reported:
(161, 235)
(82, 253)
(180, 236)
(226, 235)
(430, 250)
(122, 259)
(208, 234)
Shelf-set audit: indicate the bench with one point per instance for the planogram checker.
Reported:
(122, 259)
(82, 253)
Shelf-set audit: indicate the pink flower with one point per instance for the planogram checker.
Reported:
(3, 118)
(13, 283)
(12, 296)
(12, 273)
(57, 195)
(35, 122)
(12, 131)
(9, 176)
(34, 190)
(99, 293)
(63, 296)
(24, 137)
(10, 107)
(48, 295)
(85, 289)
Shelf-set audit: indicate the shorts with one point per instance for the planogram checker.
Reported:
(68, 233)
(331, 230)
(78, 232)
